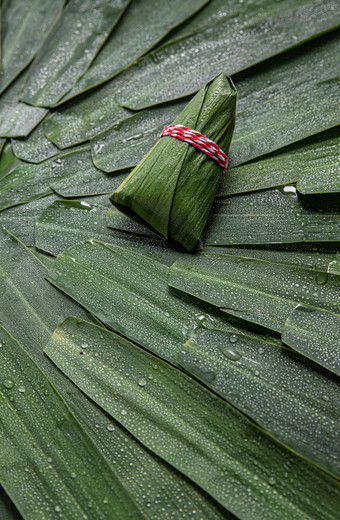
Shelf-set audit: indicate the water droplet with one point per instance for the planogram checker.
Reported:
(49, 459)
(57, 509)
(73, 475)
(257, 373)
(110, 427)
(84, 345)
(22, 389)
(60, 421)
(231, 354)
(325, 397)
(289, 189)
(8, 383)
(105, 501)
(233, 338)
(321, 278)
(261, 350)
(123, 412)
(142, 382)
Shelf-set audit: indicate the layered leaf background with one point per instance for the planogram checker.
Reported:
(136, 380)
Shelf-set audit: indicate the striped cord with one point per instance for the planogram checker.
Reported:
(199, 141)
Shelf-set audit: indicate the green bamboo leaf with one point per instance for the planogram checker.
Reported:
(167, 72)
(115, 219)
(40, 307)
(124, 145)
(280, 95)
(74, 175)
(280, 91)
(269, 217)
(141, 307)
(70, 48)
(321, 180)
(205, 439)
(272, 98)
(259, 291)
(85, 118)
(144, 23)
(7, 508)
(315, 158)
(66, 223)
(23, 182)
(44, 448)
(311, 256)
(315, 333)
(226, 10)
(159, 318)
(25, 25)
(45, 259)
(20, 220)
(34, 148)
(280, 391)
(8, 161)
(16, 118)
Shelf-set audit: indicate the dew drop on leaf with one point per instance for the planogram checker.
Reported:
(321, 278)
(231, 354)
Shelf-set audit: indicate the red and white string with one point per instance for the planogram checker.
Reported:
(199, 141)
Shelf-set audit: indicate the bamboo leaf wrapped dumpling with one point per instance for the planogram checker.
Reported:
(172, 189)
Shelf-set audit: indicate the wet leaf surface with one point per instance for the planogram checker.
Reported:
(60, 462)
(203, 440)
(70, 48)
(271, 217)
(25, 25)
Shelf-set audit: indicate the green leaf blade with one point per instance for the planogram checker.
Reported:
(18, 119)
(275, 216)
(203, 440)
(34, 148)
(282, 392)
(225, 46)
(256, 290)
(34, 299)
(315, 334)
(25, 26)
(143, 24)
(59, 462)
(70, 48)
